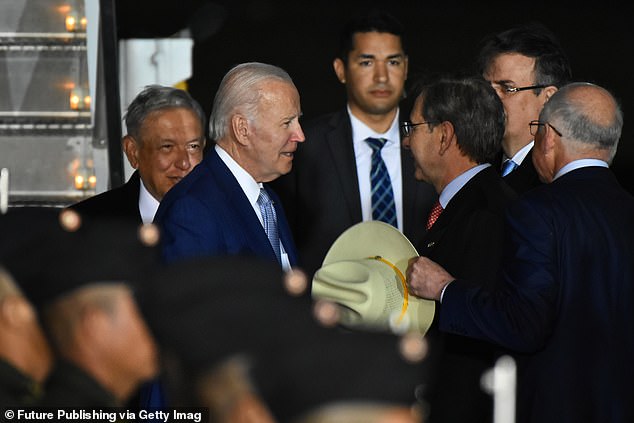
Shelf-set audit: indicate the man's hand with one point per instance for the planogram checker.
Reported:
(426, 279)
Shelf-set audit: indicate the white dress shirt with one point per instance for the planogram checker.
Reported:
(391, 153)
(148, 205)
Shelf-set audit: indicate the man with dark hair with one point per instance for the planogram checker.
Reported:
(353, 167)
(564, 301)
(165, 140)
(456, 129)
(526, 65)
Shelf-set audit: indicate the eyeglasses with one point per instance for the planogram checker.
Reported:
(534, 126)
(408, 127)
(513, 90)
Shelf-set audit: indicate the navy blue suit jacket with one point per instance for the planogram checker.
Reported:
(208, 214)
(566, 301)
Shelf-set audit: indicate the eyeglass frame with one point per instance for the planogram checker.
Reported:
(513, 90)
(407, 127)
(539, 123)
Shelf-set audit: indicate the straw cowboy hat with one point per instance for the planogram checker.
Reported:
(364, 273)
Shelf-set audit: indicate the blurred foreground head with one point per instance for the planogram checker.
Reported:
(82, 275)
(237, 334)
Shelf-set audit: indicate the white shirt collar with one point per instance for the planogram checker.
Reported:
(250, 187)
(519, 157)
(147, 204)
(361, 131)
(576, 164)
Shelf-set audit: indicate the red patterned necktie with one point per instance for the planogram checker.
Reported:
(433, 215)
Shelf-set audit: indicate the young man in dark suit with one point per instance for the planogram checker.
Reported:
(330, 187)
(526, 65)
(456, 128)
(165, 140)
(564, 302)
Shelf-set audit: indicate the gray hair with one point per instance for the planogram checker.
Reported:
(575, 120)
(157, 97)
(239, 91)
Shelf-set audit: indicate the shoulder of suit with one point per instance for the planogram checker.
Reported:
(326, 122)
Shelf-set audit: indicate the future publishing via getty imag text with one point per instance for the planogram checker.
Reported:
(112, 415)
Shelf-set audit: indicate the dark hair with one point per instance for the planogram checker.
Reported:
(374, 20)
(531, 40)
(474, 109)
(158, 97)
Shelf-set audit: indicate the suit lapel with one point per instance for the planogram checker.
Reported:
(410, 191)
(252, 231)
(341, 151)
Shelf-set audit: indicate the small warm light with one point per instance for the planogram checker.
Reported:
(83, 23)
(79, 181)
(92, 181)
(74, 101)
(79, 101)
(71, 23)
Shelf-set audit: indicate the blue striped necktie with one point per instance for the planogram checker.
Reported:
(269, 219)
(383, 207)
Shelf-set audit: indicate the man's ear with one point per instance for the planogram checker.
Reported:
(240, 128)
(340, 69)
(131, 150)
(447, 136)
(549, 91)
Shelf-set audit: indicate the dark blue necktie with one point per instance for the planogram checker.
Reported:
(270, 222)
(383, 207)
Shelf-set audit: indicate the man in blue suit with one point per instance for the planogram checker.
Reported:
(223, 206)
(565, 302)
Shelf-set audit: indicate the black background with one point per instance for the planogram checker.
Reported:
(442, 37)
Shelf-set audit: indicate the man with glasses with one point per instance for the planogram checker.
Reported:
(566, 292)
(526, 65)
(456, 129)
(353, 168)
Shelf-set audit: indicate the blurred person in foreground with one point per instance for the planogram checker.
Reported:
(81, 275)
(239, 338)
(25, 355)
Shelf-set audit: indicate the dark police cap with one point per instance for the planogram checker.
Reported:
(206, 309)
(52, 251)
(203, 311)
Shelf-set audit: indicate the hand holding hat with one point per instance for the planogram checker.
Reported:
(364, 273)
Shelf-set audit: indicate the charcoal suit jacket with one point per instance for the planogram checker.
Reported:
(467, 240)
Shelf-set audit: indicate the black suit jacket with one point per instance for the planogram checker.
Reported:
(120, 202)
(524, 177)
(467, 241)
(321, 193)
(565, 302)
